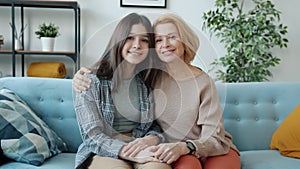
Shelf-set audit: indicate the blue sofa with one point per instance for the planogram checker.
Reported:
(252, 112)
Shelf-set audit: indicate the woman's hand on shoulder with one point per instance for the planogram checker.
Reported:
(80, 82)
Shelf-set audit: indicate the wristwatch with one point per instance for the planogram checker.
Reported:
(190, 146)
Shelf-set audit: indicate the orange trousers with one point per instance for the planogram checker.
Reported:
(231, 160)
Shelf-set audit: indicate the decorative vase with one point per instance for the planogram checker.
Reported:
(18, 44)
(47, 43)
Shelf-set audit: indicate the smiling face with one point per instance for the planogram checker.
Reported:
(168, 44)
(136, 47)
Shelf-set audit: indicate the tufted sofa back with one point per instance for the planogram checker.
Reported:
(51, 99)
(253, 111)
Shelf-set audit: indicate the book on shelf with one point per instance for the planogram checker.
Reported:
(1, 40)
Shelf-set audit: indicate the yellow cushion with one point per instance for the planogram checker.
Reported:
(47, 69)
(287, 137)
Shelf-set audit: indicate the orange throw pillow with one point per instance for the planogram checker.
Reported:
(286, 138)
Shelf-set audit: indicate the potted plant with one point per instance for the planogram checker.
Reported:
(248, 37)
(47, 34)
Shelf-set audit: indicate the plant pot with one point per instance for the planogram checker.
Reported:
(47, 43)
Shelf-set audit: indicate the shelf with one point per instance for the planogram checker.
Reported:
(36, 52)
(5, 51)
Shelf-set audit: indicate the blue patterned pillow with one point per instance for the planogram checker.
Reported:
(24, 136)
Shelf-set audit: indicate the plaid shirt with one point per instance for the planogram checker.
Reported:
(95, 115)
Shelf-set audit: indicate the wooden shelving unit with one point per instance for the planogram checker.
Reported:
(64, 4)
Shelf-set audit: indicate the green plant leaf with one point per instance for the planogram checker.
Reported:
(47, 30)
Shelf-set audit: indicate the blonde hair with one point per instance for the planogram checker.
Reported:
(188, 37)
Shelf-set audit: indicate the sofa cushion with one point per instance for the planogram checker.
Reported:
(267, 159)
(287, 136)
(24, 136)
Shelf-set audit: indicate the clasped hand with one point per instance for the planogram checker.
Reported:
(139, 149)
(169, 152)
(166, 152)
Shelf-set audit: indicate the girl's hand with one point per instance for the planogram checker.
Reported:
(142, 157)
(170, 152)
(134, 147)
(80, 82)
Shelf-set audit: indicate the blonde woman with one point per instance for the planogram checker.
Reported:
(187, 104)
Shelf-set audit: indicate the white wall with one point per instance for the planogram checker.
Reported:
(99, 18)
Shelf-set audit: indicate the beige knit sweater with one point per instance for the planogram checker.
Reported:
(189, 109)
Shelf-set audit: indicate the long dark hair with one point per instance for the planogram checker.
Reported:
(112, 56)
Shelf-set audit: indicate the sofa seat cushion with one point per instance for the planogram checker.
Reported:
(267, 159)
(60, 161)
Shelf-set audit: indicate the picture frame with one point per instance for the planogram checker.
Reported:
(144, 3)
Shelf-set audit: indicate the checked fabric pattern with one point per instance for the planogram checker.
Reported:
(24, 136)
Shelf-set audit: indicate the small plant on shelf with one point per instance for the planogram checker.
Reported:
(47, 34)
(50, 30)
